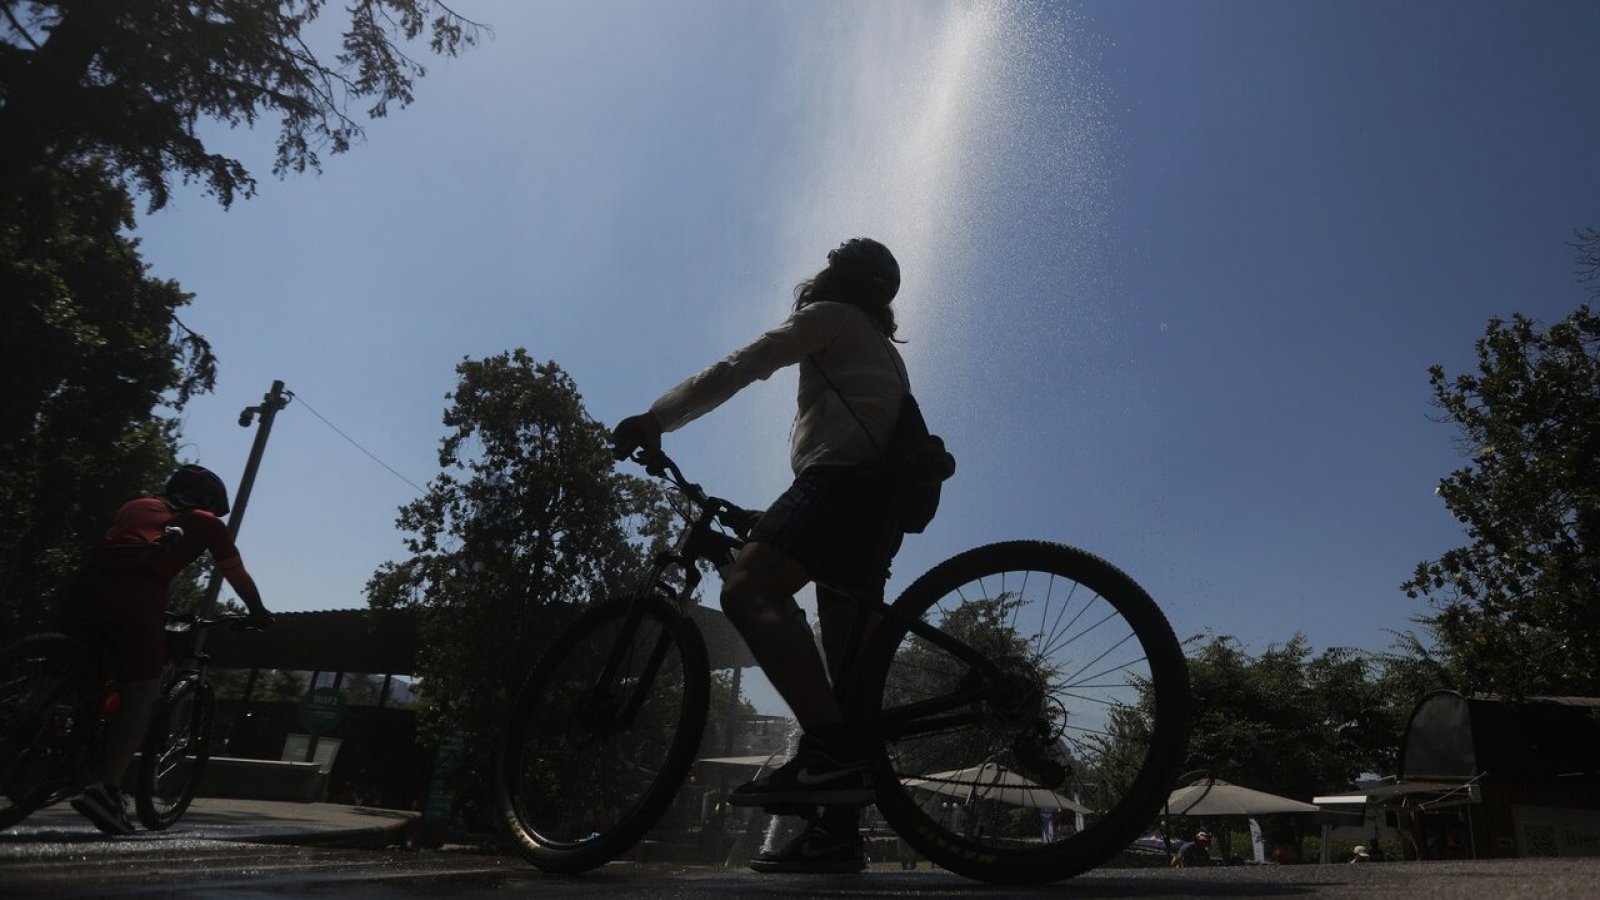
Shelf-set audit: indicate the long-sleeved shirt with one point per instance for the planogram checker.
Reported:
(841, 340)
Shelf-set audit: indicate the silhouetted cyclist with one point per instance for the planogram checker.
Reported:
(117, 605)
(833, 526)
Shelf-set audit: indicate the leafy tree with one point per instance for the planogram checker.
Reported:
(132, 81)
(94, 362)
(97, 96)
(1517, 610)
(528, 513)
(1288, 722)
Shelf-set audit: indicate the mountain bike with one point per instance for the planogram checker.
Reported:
(1025, 702)
(177, 743)
(55, 702)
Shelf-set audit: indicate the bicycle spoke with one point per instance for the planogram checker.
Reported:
(1031, 753)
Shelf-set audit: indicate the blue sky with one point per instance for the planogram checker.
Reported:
(1174, 272)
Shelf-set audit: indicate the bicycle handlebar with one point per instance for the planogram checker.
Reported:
(660, 465)
(180, 622)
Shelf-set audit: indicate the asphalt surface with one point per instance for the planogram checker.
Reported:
(254, 849)
(217, 819)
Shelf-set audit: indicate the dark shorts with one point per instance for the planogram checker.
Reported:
(123, 620)
(834, 520)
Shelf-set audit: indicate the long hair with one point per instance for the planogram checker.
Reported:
(827, 285)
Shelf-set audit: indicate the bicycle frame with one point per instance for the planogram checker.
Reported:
(184, 632)
(702, 541)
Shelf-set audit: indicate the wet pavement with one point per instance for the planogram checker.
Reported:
(259, 871)
(215, 819)
(258, 849)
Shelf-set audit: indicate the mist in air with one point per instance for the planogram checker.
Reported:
(971, 139)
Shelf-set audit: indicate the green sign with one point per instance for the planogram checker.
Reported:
(441, 799)
(322, 709)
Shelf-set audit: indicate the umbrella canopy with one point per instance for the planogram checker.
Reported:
(992, 781)
(764, 761)
(1219, 798)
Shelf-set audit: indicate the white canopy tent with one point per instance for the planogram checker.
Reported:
(1220, 798)
(992, 781)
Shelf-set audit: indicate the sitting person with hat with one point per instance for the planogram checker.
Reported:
(1194, 853)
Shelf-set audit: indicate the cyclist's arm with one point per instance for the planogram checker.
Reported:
(807, 331)
(225, 554)
(243, 585)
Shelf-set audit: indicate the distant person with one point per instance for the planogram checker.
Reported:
(832, 527)
(1193, 853)
(117, 605)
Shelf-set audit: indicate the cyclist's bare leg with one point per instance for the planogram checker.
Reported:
(126, 729)
(758, 597)
(836, 611)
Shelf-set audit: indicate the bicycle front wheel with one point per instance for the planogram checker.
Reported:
(49, 694)
(176, 749)
(603, 734)
(1032, 704)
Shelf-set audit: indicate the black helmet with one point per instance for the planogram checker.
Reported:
(868, 265)
(194, 485)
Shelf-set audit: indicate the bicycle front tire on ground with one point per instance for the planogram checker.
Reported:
(1052, 748)
(49, 697)
(176, 749)
(603, 734)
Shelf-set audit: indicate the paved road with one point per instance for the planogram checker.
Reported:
(240, 870)
(256, 849)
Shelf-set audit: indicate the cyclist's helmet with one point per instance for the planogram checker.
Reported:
(868, 268)
(197, 486)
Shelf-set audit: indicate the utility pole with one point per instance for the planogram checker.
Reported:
(271, 402)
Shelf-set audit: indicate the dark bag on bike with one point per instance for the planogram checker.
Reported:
(916, 460)
(919, 464)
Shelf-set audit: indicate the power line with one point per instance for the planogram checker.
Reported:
(354, 443)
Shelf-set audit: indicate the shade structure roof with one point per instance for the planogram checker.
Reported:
(1219, 798)
(385, 641)
(1452, 737)
(992, 781)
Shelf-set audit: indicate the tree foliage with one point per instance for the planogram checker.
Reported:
(1289, 722)
(1517, 610)
(98, 97)
(133, 81)
(527, 514)
(95, 363)
(1285, 721)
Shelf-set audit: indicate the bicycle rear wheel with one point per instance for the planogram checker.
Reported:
(1044, 739)
(176, 749)
(603, 735)
(49, 693)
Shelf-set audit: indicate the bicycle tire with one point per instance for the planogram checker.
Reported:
(176, 748)
(973, 819)
(577, 786)
(49, 693)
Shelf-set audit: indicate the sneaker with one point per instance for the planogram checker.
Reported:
(101, 804)
(814, 777)
(816, 851)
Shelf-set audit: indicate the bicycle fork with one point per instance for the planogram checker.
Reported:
(604, 714)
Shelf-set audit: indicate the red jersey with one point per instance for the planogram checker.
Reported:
(135, 543)
(118, 603)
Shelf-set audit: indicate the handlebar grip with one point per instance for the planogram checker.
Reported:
(654, 461)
